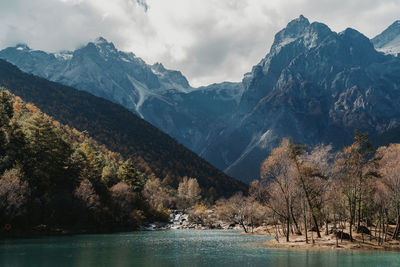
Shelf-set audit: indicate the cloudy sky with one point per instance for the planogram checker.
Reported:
(208, 40)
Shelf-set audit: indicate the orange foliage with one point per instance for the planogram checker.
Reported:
(32, 108)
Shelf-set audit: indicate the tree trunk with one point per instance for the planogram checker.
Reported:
(352, 215)
(337, 239)
(334, 221)
(244, 226)
(287, 220)
(276, 232)
(312, 234)
(308, 200)
(351, 226)
(341, 235)
(359, 208)
(326, 227)
(281, 228)
(387, 226)
(316, 226)
(379, 229)
(287, 229)
(305, 222)
(276, 229)
(396, 231)
(298, 232)
(351, 231)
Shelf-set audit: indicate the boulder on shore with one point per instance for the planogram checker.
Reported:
(343, 235)
(363, 230)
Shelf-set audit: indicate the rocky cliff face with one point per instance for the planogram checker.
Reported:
(388, 41)
(314, 86)
(100, 69)
(161, 96)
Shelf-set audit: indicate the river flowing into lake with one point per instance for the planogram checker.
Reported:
(175, 248)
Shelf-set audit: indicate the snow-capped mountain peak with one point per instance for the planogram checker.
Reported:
(314, 86)
(100, 40)
(105, 48)
(64, 55)
(22, 47)
(293, 31)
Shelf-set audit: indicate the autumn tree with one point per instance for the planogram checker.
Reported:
(6, 113)
(14, 196)
(355, 166)
(189, 192)
(389, 168)
(123, 203)
(88, 199)
(65, 177)
(156, 194)
(199, 213)
(109, 176)
(258, 191)
(94, 162)
(382, 202)
(278, 172)
(314, 169)
(241, 210)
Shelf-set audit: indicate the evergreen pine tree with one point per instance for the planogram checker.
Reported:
(130, 175)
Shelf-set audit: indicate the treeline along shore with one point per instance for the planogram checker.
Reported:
(55, 179)
(322, 198)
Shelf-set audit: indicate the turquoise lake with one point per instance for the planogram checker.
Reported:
(175, 248)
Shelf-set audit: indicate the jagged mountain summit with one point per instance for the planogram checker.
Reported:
(112, 125)
(388, 41)
(101, 69)
(314, 86)
(161, 96)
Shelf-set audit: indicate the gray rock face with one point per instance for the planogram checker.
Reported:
(196, 117)
(314, 86)
(161, 96)
(388, 41)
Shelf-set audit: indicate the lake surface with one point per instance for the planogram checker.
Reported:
(175, 248)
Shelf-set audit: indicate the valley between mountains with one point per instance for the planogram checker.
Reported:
(314, 86)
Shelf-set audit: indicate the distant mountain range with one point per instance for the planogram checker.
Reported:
(160, 96)
(153, 151)
(314, 86)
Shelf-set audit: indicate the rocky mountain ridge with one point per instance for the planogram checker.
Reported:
(388, 41)
(314, 86)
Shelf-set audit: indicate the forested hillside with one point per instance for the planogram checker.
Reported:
(153, 152)
(54, 178)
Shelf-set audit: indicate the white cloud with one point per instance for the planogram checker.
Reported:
(208, 40)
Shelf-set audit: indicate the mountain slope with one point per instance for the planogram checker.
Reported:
(388, 41)
(160, 96)
(314, 86)
(118, 129)
(54, 177)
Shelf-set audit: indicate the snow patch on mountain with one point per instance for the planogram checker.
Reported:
(143, 92)
(22, 47)
(392, 48)
(64, 55)
(259, 140)
(388, 41)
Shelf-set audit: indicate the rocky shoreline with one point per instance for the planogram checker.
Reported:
(180, 220)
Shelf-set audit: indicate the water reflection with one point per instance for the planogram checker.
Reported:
(175, 248)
